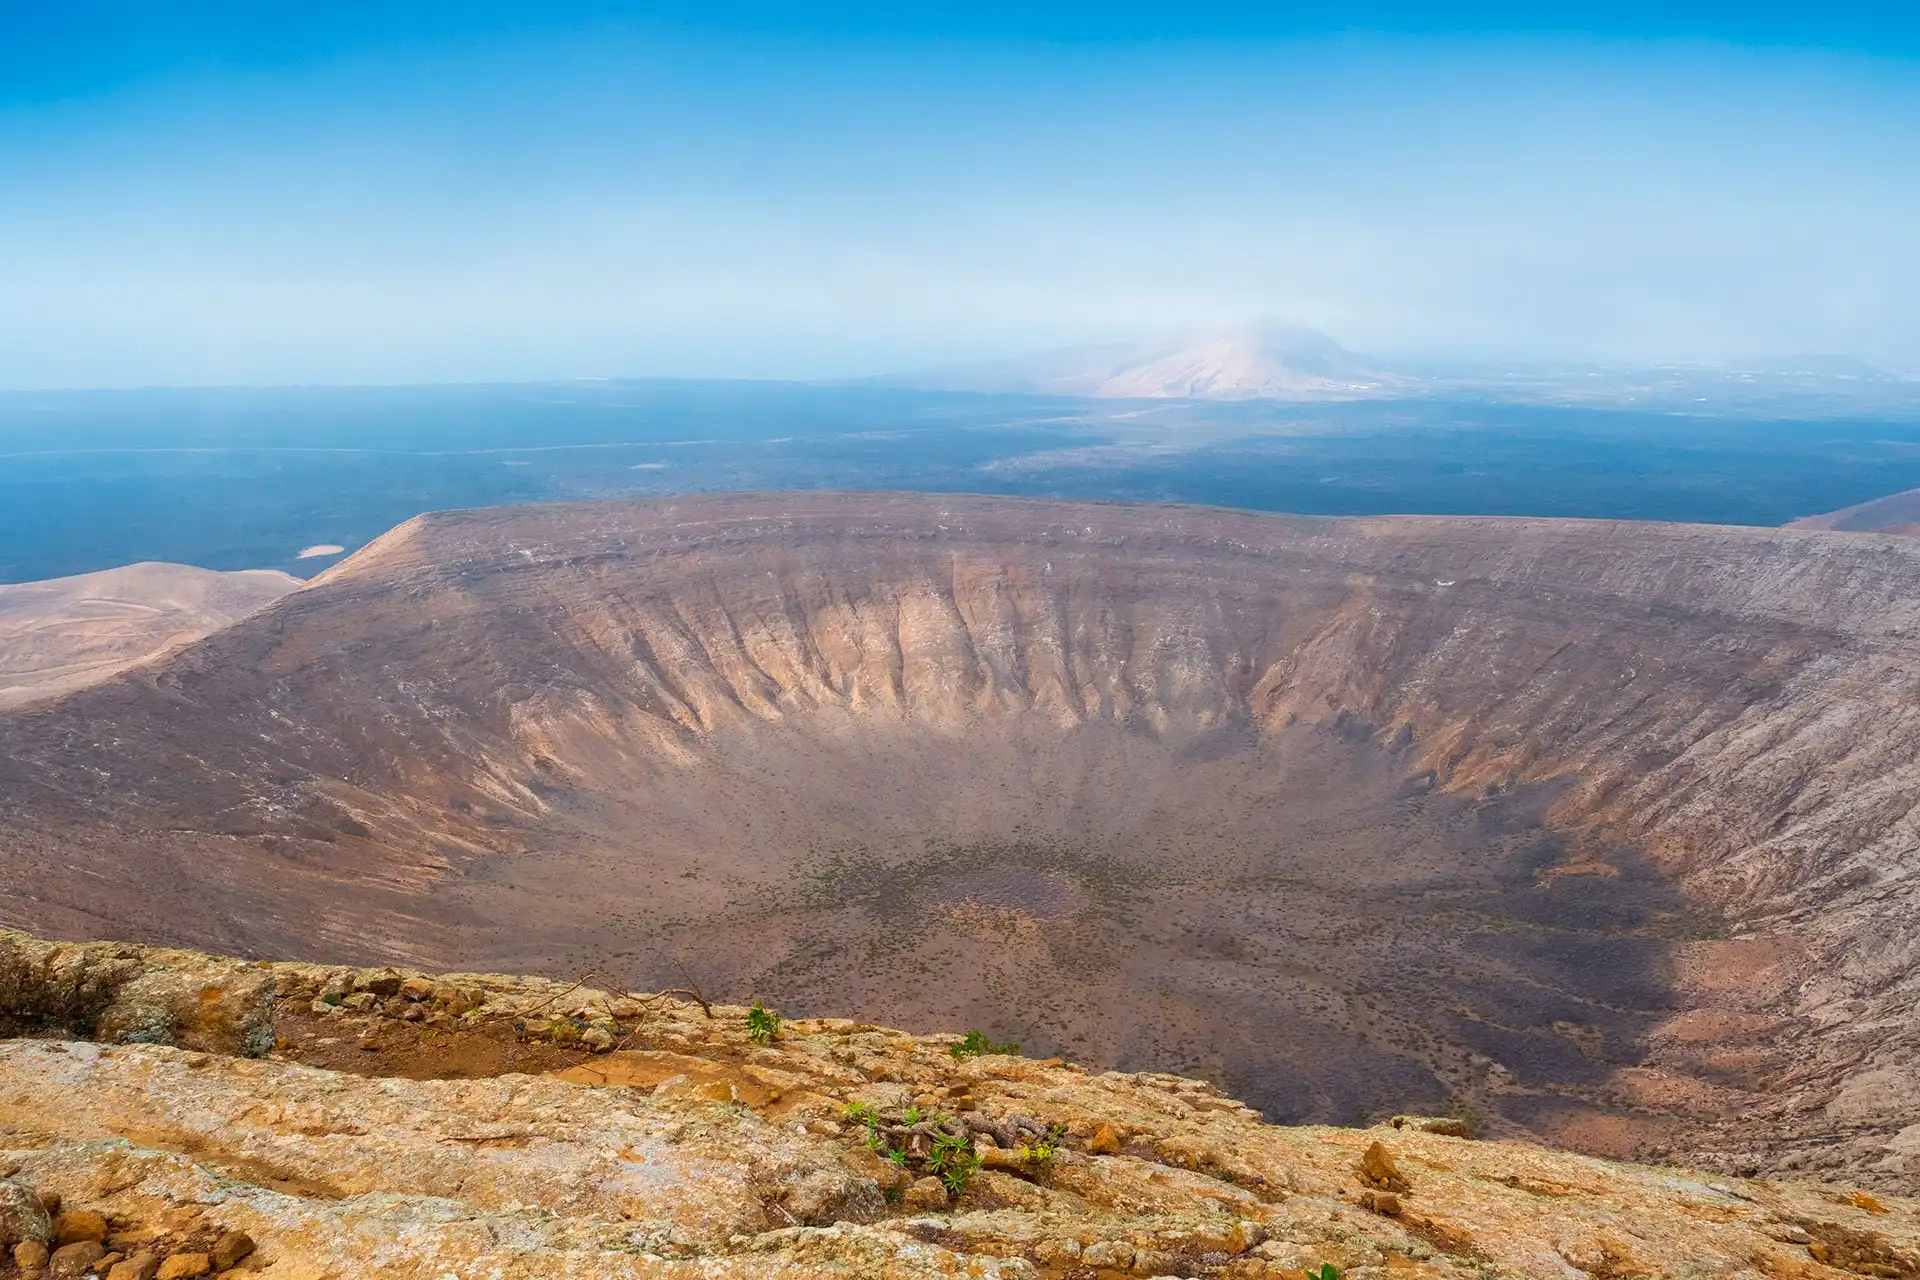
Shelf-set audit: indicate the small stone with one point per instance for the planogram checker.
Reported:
(76, 1225)
(927, 1193)
(110, 1260)
(141, 1266)
(184, 1266)
(230, 1248)
(826, 1196)
(996, 1158)
(1153, 1262)
(598, 1039)
(412, 1013)
(1381, 1202)
(417, 989)
(50, 1201)
(1105, 1141)
(1057, 1253)
(30, 1255)
(360, 1001)
(75, 1259)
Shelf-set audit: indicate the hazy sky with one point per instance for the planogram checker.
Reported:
(213, 193)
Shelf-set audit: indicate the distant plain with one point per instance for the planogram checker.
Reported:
(242, 478)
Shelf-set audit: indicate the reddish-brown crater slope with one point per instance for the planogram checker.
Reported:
(1603, 830)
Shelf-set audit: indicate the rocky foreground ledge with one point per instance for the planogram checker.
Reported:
(173, 1114)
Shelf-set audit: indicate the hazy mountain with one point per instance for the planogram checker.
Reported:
(1256, 362)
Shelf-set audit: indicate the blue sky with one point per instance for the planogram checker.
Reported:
(357, 192)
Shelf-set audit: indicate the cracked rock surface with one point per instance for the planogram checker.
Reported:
(692, 1150)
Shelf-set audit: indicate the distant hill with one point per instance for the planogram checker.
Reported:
(1895, 513)
(1259, 362)
(66, 633)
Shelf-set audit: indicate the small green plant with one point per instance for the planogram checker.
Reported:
(763, 1024)
(865, 1117)
(975, 1043)
(954, 1161)
(912, 1117)
(1326, 1271)
(333, 998)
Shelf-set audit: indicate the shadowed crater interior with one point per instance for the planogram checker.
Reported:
(1301, 919)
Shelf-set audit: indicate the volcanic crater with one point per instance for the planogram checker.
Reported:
(1598, 831)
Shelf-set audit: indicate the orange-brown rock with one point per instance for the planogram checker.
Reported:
(1385, 1202)
(230, 1249)
(1381, 1170)
(79, 1224)
(519, 1173)
(184, 1266)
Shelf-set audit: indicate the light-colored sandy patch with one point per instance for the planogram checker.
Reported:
(66, 633)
